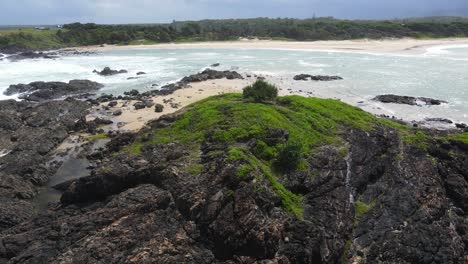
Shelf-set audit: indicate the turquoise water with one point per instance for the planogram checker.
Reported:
(439, 73)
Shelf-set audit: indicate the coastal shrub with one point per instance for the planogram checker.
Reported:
(290, 156)
(260, 91)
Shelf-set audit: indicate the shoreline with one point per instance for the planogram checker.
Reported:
(132, 120)
(387, 46)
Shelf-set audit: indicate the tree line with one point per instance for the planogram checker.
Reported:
(77, 34)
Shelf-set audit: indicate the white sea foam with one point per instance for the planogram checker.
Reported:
(365, 74)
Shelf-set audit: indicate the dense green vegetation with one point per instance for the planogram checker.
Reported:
(230, 119)
(260, 91)
(231, 29)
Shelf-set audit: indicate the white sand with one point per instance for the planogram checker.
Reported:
(133, 120)
(405, 46)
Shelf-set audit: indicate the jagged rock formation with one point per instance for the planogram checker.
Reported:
(42, 91)
(202, 187)
(28, 133)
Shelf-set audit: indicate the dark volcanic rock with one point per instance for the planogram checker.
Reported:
(461, 125)
(41, 91)
(409, 100)
(36, 130)
(141, 73)
(139, 105)
(148, 208)
(210, 75)
(215, 65)
(440, 120)
(306, 77)
(158, 108)
(109, 72)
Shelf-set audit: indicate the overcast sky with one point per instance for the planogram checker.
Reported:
(156, 11)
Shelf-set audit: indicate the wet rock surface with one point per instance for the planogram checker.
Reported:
(42, 91)
(409, 100)
(151, 208)
(29, 133)
(322, 78)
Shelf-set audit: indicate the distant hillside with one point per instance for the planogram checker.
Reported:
(326, 28)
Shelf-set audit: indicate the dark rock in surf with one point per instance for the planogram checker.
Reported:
(33, 55)
(141, 73)
(409, 100)
(323, 78)
(41, 91)
(439, 120)
(461, 125)
(109, 72)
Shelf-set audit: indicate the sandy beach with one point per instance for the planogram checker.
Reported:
(133, 120)
(403, 46)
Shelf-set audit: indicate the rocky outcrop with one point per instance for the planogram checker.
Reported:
(33, 55)
(409, 100)
(170, 88)
(322, 78)
(211, 75)
(109, 72)
(381, 202)
(42, 91)
(28, 133)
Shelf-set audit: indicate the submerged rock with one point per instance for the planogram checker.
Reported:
(409, 100)
(41, 91)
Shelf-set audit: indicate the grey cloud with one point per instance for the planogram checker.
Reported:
(154, 11)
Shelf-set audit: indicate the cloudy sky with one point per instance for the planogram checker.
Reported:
(156, 11)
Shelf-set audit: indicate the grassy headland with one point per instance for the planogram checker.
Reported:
(234, 121)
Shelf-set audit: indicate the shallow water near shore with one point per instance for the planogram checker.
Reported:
(439, 73)
(73, 166)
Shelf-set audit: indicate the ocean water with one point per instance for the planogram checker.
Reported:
(440, 72)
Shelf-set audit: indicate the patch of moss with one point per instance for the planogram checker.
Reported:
(361, 208)
(290, 202)
(243, 171)
(194, 169)
(460, 137)
(97, 137)
(264, 152)
(235, 154)
(418, 139)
